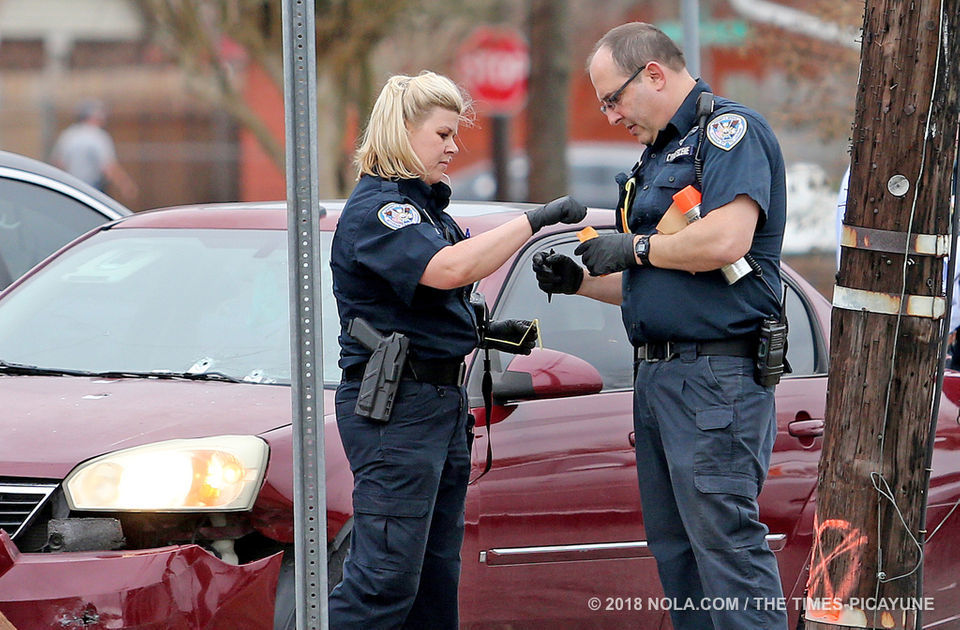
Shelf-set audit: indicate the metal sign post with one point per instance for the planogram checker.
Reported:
(303, 203)
(494, 64)
(690, 10)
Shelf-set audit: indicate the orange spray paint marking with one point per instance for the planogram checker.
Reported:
(819, 582)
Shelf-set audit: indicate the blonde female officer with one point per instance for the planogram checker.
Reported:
(401, 263)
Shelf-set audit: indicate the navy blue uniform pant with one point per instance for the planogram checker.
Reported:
(410, 483)
(705, 431)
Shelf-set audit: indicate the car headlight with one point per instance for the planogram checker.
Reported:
(215, 474)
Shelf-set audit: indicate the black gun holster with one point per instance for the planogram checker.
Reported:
(381, 377)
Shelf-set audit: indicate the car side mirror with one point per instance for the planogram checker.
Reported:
(951, 387)
(546, 373)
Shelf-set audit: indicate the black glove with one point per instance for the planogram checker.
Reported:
(517, 336)
(608, 253)
(557, 273)
(562, 210)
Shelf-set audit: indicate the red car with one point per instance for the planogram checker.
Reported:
(146, 460)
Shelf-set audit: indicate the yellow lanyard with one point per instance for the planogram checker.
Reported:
(630, 191)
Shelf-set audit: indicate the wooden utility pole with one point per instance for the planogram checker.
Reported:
(887, 321)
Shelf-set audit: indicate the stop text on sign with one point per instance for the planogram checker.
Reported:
(494, 65)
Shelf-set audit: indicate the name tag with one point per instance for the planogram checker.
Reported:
(679, 153)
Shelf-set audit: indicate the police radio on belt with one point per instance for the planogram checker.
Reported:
(771, 361)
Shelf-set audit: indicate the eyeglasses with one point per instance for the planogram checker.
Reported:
(610, 102)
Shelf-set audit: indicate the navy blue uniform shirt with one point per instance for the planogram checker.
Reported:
(741, 156)
(387, 233)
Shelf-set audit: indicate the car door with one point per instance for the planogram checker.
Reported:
(941, 551)
(40, 214)
(558, 514)
(787, 501)
(35, 222)
(556, 527)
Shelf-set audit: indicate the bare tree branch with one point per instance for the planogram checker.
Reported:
(797, 21)
(348, 33)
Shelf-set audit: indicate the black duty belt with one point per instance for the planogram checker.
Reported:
(651, 352)
(433, 372)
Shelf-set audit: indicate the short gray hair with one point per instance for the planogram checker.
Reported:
(636, 44)
(89, 108)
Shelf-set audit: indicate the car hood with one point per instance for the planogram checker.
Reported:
(51, 423)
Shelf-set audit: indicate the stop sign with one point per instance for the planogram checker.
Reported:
(494, 64)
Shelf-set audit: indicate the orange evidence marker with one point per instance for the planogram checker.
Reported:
(586, 234)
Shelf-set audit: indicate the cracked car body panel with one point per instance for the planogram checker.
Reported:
(172, 588)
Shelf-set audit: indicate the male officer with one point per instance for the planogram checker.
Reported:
(704, 427)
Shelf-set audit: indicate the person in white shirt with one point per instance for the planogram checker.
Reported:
(86, 151)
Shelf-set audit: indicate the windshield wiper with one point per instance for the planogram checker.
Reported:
(189, 376)
(22, 368)
(33, 370)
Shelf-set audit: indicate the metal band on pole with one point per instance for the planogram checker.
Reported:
(895, 242)
(303, 203)
(933, 307)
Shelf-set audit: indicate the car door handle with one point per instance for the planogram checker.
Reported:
(809, 428)
(633, 438)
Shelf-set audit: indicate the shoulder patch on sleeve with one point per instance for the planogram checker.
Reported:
(726, 130)
(397, 215)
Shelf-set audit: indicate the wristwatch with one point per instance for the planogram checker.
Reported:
(641, 247)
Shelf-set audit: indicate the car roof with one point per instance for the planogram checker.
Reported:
(619, 153)
(592, 168)
(23, 168)
(272, 215)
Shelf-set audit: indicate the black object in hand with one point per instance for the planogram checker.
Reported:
(517, 336)
(557, 273)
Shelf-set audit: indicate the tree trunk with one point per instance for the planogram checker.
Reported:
(330, 124)
(884, 360)
(547, 101)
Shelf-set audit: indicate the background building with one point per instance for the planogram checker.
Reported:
(56, 53)
(184, 142)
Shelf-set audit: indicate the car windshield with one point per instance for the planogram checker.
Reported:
(185, 302)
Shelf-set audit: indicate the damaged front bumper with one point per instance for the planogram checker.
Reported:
(170, 587)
